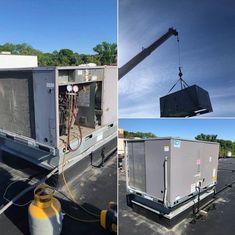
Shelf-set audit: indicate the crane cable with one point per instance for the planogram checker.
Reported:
(183, 83)
(179, 56)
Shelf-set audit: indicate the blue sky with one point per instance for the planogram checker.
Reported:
(50, 25)
(183, 128)
(207, 35)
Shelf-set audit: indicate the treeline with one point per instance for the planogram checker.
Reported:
(142, 135)
(225, 145)
(104, 54)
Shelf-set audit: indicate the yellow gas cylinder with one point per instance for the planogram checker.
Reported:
(108, 218)
(45, 215)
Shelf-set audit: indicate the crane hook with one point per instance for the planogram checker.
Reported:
(180, 73)
(181, 80)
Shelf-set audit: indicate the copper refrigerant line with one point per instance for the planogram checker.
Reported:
(72, 115)
(72, 104)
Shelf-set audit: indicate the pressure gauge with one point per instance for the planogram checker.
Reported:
(69, 88)
(75, 88)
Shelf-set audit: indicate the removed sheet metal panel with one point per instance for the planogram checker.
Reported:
(45, 106)
(109, 96)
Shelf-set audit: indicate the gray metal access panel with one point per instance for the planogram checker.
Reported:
(170, 170)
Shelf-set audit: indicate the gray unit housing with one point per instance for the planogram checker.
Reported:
(30, 114)
(189, 101)
(169, 170)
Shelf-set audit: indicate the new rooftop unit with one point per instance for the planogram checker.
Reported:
(165, 173)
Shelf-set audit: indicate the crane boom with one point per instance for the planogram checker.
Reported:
(144, 53)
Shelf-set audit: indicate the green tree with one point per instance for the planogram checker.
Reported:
(225, 145)
(66, 57)
(138, 134)
(19, 49)
(206, 137)
(107, 53)
(46, 59)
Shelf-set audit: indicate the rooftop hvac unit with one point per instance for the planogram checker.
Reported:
(37, 111)
(189, 102)
(164, 173)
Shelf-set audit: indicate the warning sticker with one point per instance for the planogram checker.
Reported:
(79, 72)
(214, 172)
(177, 198)
(50, 85)
(94, 78)
(193, 188)
(177, 143)
(99, 137)
(213, 178)
(166, 148)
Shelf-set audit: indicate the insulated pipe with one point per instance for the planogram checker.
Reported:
(165, 182)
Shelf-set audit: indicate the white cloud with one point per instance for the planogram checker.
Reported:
(139, 111)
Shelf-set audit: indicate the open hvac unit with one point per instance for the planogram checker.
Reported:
(51, 110)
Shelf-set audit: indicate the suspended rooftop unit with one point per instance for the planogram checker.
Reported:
(190, 101)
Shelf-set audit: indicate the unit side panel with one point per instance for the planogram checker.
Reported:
(155, 152)
(45, 108)
(16, 102)
(185, 168)
(109, 96)
(209, 164)
(130, 164)
(136, 166)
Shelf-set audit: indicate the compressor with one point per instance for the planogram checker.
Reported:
(45, 215)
